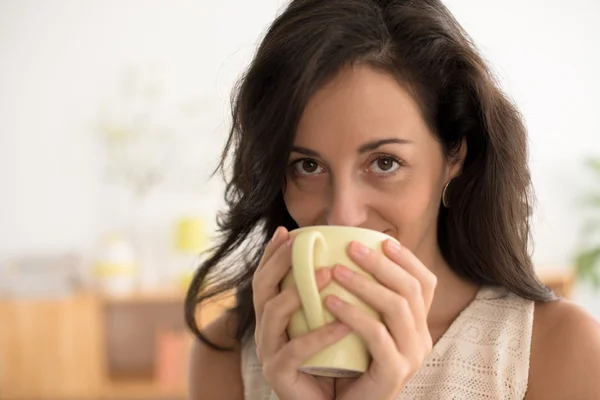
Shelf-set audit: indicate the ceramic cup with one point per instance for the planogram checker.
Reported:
(317, 247)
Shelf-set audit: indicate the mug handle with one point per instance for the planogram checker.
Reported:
(303, 255)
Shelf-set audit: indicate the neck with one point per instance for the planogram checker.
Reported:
(452, 294)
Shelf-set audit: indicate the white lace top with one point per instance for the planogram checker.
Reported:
(483, 355)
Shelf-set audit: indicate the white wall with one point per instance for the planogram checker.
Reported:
(547, 56)
(59, 59)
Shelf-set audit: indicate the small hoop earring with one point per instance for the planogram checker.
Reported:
(444, 192)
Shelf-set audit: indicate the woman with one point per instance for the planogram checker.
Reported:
(381, 114)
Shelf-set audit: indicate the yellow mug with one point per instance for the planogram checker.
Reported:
(316, 247)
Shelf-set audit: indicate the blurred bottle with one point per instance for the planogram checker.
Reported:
(115, 264)
(189, 242)
(172, 347)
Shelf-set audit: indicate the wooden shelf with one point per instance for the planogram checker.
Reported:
(164, 295)
(168, 295)
(140, 387)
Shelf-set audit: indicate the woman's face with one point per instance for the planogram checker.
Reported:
(363, 156)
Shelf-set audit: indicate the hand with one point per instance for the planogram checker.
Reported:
(402, 294)
(281, 358)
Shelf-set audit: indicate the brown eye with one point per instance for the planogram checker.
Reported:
(307, 167)
(384, 164)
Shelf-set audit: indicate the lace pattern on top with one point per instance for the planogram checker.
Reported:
(483, 355)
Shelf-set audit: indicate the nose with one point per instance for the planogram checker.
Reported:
(347, 206)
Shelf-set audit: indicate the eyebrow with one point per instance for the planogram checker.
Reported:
(369, 146)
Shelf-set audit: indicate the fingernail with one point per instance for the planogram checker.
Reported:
(360, 250)
(289, 241)
(343, 272)
(334, 302)
(394, 246)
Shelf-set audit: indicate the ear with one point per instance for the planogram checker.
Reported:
(456, 161)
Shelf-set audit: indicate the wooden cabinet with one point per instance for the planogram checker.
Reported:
(49, 348)
(561, 282)
(62, 348)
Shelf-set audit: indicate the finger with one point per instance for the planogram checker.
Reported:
(278, 312)
(410, 263)
(279, 237)
(380, 343)
(391, 275)
(265, 284)
(394, 309)
(293, 354)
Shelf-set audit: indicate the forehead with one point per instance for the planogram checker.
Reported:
(360, 104)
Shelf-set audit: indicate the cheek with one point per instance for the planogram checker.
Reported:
(412, 208)
(306, 207)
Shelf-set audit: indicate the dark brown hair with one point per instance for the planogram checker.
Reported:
(484, 234)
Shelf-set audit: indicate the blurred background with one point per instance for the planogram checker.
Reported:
(112, 118)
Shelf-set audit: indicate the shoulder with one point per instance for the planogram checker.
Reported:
(216, 374)
(565, 353)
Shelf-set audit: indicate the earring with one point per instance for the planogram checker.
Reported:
(444, 191)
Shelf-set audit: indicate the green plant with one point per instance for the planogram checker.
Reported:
(147, 132)
(587, 259)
